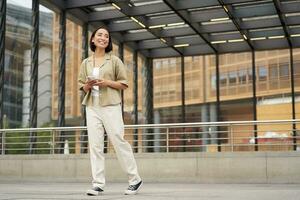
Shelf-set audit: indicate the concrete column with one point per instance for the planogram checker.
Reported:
(205, 118)
(44, 89)
(26, 88)
(213, 118)
(157, 137)
(45, 83)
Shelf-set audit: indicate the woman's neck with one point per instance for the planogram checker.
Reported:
(99, 53)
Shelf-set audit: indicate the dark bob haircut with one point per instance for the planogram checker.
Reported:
(92, 45)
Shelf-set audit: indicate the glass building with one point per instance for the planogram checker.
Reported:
(187, 60)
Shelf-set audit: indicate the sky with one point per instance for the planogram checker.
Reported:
(27, 4)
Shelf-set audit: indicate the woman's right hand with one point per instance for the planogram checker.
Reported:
(88, 85)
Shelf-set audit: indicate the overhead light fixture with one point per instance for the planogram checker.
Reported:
(219, 19)
(163, 40)
(157, 26)
(258, 38)
(225, 8)
(176, 24)
(218, 42)
(295, 35)
(276, 37)
(116, 6)
(141, 24)
(181, 45)
(137, 21)
(245, 37)
(236, 40)
(134, 19)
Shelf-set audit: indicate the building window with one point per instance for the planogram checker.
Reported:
(262, 73)
(232, 78)
(242, 76)
(284, 70)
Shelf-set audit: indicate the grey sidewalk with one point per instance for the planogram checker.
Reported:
(151, 191)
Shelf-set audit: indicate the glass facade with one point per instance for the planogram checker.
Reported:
(200, 98)
(167, 90)
(274, 99)
(236, 103)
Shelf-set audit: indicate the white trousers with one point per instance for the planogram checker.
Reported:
(110, 119)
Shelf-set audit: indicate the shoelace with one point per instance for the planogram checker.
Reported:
(131, 187)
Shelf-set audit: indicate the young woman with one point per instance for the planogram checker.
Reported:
(102, 76)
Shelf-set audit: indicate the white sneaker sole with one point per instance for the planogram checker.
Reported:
(93, 193)
(129, 192)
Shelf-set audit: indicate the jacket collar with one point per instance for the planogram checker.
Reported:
(107, 56)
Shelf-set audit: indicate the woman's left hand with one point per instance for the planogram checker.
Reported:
(102, 83)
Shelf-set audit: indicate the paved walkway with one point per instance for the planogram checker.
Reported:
(151, 191)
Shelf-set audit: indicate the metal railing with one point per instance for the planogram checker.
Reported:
(268, 135)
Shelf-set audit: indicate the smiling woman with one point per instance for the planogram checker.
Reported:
(101, 39)
(103, 110)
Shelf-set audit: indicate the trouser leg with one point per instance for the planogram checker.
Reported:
(114, 127)
(96, 146)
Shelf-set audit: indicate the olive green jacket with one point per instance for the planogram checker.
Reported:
(113, 69)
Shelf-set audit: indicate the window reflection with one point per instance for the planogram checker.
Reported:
(17, 56)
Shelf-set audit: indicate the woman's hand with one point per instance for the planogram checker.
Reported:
(102, 83)
(88, 85)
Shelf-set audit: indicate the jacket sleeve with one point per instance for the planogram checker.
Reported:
(120, 71)
(82, 75)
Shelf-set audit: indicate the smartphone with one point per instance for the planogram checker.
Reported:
(91, 78)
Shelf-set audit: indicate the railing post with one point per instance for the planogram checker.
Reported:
(3, 143)
(167, 138)
(231, 137)
(53, 141)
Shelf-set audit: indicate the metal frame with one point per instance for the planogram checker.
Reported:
(85, 53)
(183, 120)
(2, 56)
(34, 73)
(62, 68)
(204, 20)
(135, 96)
(254, 100)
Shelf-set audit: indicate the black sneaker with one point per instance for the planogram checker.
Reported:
(133, 189)
(95, 191)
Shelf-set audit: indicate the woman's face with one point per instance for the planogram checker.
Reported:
(101, 38)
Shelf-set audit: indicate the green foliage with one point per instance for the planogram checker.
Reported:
(20, 142)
